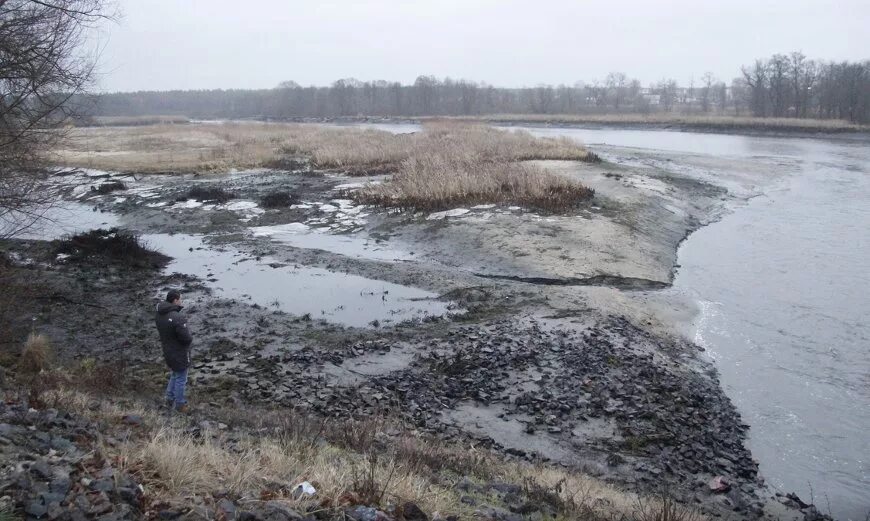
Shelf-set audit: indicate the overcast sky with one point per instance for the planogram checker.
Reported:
(194, 44)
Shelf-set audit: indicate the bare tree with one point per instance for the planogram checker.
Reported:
(707, 82)
(778, 84)
(721, 95)
(756, 81)
(803, 78)
(615, 83)
(43, 65)
(667, 90)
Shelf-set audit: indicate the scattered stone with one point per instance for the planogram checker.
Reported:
(411, 512)
(226, 509)
(719, 485)
(362, 513)
(132, 419)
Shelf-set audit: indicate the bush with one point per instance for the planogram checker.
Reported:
(109, 187)
(112, 245)
(212, 194)
(100, 378)
(36, 355)
(278, 200)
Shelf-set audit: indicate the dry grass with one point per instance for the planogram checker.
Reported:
(197, 147)
(284, 449)
(170, 148)
(447, 164)
(107, 121)
(112, 245)
(437, 181)
(466, 164)
(222, 146)
(36, 355)
(723, 123)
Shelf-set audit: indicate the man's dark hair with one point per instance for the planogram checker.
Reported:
(172, 296)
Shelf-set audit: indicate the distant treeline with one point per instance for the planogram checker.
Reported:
(781, 86)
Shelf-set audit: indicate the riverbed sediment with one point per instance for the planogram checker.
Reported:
(545, 343)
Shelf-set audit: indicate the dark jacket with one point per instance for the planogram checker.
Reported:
(174, 336)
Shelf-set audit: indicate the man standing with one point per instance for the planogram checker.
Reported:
(176, 341)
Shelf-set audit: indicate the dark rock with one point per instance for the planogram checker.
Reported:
(41, 470)
(103, 485)
(270, 511)
(122, 512)
(791, 496)
(129, 494)
(505, 488)
(411, 512)
(498, 514)
(61, 444)
(60, 485)
(36, 508)
(132, 419)
(226, 509)
(48, 498)
(362, 513)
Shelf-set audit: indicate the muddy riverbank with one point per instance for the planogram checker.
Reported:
(536, 335)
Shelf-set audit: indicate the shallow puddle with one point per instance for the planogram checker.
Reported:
(508, 432)
(299, 235)
(348, 299)
(68, 218)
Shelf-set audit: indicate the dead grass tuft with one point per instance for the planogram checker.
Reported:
(212, 194)
(100, 378)
(279, 199)
(438, 182)
(456, 165)
(36, 355)
(664, 508)
(109, 187)
(113, 245)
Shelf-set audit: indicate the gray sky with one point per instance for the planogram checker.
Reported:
(193, 44)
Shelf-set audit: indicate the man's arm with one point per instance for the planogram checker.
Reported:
(182, 333)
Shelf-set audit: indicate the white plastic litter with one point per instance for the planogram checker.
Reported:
(304, 489)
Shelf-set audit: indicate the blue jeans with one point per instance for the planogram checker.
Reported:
(175, 388)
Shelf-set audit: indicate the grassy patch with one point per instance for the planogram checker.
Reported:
(36, 355)
(112, 245)
(123, 121)
(689, 121)
(455, 165)
(197, 147)
(434, 184)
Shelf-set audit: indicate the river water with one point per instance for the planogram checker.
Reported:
(783, 287)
